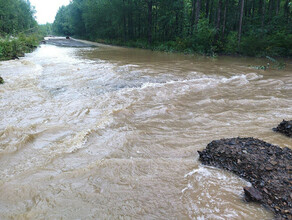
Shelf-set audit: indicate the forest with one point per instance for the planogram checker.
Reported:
(248, 27)
(19, 31)
(16, 16)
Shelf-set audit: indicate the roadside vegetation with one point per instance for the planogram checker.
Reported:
(14, 47)
(245, 27)
(19, 31)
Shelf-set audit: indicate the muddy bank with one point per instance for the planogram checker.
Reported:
(285, 127)
(266, 166)
(64, 42)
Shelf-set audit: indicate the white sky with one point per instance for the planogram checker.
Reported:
(46, 10)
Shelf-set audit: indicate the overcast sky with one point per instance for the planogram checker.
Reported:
(47, 9)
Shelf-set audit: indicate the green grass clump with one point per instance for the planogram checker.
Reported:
(12, 48)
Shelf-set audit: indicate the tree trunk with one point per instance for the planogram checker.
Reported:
(272, 9)
(277, 7)
(198, 9)
(154, 24)
(124, 21)
(207, 8)
(286, 11)
(182, 13)
(150, 3)
(176, 32)
(240, 21)
(130, 21)
(224, 18)
(218, 15)
(193, 17)
(139, 25)
(252, 9)
(263, 13)
(246, 9)
(210, 12)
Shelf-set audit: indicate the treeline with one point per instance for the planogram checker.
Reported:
(19, 31)
(16, 16)
(249, 27)
(46, 29)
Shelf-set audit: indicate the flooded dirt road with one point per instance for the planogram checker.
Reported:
(113, 133)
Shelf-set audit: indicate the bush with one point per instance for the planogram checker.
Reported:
(253, 45)
(16, 47)
(279, 44)
(231, 46)
(273, 44)
(204, 38)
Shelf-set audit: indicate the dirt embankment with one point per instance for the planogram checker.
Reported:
(266, 166)
(285, 127)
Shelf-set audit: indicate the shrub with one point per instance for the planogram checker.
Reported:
(203, 40)
(231, 45)
(274, 44)
(16, 47)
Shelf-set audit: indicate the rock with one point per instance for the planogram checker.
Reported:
(1, 80)
(273, 162)
(267, 167)
(252, 194)
(285, 127)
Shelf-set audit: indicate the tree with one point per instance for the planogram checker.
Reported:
(240, 21)
(16, 16)
(182, 25)
(150, 5)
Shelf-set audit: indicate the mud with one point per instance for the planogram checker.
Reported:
(266, 166)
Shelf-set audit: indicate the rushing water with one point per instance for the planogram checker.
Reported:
(113, 133)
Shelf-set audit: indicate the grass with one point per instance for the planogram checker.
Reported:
(14, 47)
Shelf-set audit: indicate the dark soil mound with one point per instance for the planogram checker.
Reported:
(285, 127)
(266, 166)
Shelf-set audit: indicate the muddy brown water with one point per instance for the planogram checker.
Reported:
(113, 133)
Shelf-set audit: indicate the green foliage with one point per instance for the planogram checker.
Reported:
(45, 29)
(62, 25)
(273, 44)
(275, 64)
(204, 38)
(262, 67)
(280, 44)
(1, 80)
(176, 26)
(18, 28)
(12, 48)
(16, 16)
(231, 45)
(253, 45)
